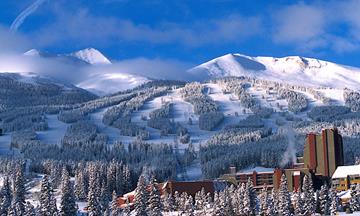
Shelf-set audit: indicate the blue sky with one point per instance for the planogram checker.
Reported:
(186, 31)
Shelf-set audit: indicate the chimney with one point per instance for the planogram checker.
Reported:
(233, 170)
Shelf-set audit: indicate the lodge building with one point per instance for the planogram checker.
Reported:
(323, 153)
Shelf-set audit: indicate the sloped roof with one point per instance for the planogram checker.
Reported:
(344, 171)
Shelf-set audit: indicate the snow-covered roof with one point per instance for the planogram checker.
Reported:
(257, 169)
(344, 171)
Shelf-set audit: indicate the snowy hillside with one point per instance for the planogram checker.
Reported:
(291, 69)
(88, 69)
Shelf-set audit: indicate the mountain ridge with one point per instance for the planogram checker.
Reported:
(290, 69)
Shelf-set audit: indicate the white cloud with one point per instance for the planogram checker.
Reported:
(83, 27)
(314, 27)
(11, 42)
(299, 23)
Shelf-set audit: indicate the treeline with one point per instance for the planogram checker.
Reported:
(204, 106)
(238, 87)
(297, 102)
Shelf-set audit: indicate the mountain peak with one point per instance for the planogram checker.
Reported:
(91, 56)
(289, 69)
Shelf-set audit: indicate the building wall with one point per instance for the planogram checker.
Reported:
(323, 153)
(343, 184)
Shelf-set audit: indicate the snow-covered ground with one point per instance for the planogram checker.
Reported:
(55, 132)
(112, 133)
(228, 104)
(5, 141)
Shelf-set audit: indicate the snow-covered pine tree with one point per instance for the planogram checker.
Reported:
(119, 181)
(189, 207)
(270, 211)
(106, 212)
(264, 201)
(239, 203)
(200, 201)
(115, 210)
(47, 200)
(284, 205)
(177, 201)
(126, 179)
(18, 199)
(94, 208)
(169, 203)
(324, 200)
(80, 185)
(249, 198)
(68, 204)
(6, 197)
(335, 202)
(308, 195)
(111, 176)
(104, 196)
(357, 195)
(226, 201)
(154, 207)
(141, 197)
(299, 203)
(218, 209)
(29, 209)
(353, 203)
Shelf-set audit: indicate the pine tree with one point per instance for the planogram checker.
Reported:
(308, 196)
(119, 181)
(177, 201)
(335, 201)
(226, 201)
(284, 207)
(115, 210)
(94, 208)
(189, 207)
(169, 203)
(80, 185)
(218, 209)
(47, 200)
(270, 211)
(299, 204)
(239, 199)
(111, 177)
(141, 197)
(154, 204)
(29, 209)
(6, 197)
(18, 199)
(354, 202)
(68, 204)
(126, 179)
(324, 200)
(249, 198)
(104, 196)
(200, 200)
(264, 201)
(275, 195)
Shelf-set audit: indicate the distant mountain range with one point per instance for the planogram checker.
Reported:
(291, 69)
(101, 76)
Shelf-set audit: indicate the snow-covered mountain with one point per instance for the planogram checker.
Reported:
(291, 69)
(91, 56)
(88, 56)
(90, 70)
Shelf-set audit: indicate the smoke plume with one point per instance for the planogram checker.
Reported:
(24, 14)
(290, 153)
